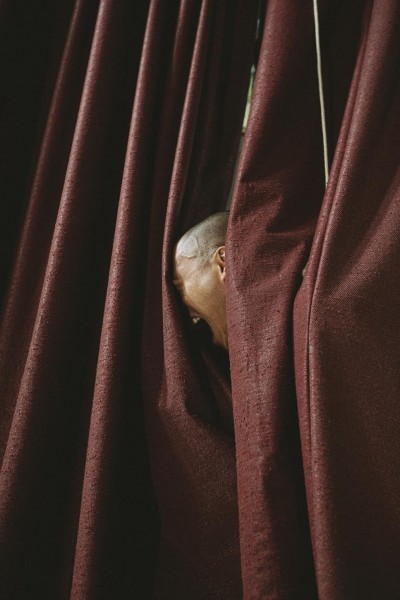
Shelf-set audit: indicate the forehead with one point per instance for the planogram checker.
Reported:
(184, 268)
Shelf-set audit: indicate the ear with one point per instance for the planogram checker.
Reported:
(220, 258)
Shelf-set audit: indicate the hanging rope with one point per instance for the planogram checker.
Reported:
(321, 92)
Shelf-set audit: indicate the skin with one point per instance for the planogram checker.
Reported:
(202, 289)
(199, 274)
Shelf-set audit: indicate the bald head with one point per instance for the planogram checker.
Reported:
(199, 274)
(204, 238)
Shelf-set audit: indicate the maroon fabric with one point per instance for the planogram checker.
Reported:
(135, 111)
(347, 338)
(130, 466)
(275, 206)
(51, 325)
(189, 415)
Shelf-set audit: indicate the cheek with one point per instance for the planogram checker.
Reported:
(209, 296)
(198, 293)
(190, 295)
(206, 288)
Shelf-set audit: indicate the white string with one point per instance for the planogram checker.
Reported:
(321, 92)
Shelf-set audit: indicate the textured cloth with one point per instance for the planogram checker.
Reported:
(135, 106)
(345, 361)
(347, 341)
(136, 461)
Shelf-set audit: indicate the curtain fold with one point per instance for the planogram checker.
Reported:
(188, 404)
(32, 39)
(275, 207)
(53, 316)
(137, 112)
(137, 460)
(346, 339)
(278, 187)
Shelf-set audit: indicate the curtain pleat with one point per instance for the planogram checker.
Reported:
(137, 460)
(32, 247)
(138, 114)
(191, 442)
(275, 206)
(279, 183)
(346, 338)
(65, 248)
(32, 39)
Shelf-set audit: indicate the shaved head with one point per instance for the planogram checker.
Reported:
(199, 274)
(204, 238)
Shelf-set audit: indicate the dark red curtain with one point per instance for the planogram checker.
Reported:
(120, 120)
(347, 339)
(343, 357)
(136, 461)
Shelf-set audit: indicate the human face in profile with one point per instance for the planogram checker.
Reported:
(202, 289)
